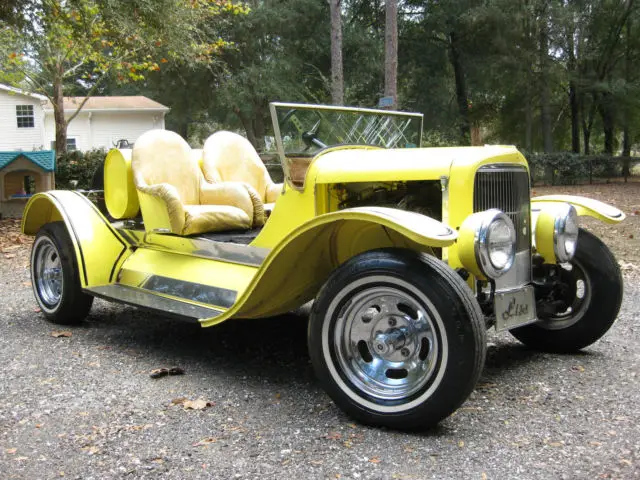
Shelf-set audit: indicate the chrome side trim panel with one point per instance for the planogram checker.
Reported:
(195, 292)
(200, 247)
(149, 301)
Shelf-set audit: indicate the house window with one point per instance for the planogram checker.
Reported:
(71, 145)
(25, 116)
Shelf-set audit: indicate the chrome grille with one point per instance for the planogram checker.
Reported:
(506, 187)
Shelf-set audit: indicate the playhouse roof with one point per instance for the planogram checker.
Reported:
(45, 159)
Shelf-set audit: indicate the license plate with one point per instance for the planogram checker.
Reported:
(515, 308)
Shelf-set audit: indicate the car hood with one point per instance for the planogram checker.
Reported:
(347, 165)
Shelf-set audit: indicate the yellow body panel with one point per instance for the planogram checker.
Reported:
(299, 265)
(120, 193)
(100, 249)
(145, 262)
(584, 206)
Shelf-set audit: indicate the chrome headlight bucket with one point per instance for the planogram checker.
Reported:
(556, 233)
(487, 243)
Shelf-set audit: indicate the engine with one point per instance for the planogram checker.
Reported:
(423, 197)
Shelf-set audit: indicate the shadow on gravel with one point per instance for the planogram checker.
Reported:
(273, 348)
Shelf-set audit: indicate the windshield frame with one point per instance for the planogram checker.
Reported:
(274, 106)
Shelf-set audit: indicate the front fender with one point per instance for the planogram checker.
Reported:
(584, 207)
(295, 270)
(99, 248)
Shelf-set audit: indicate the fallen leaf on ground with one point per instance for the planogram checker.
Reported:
(205, 441)
(461, 444)
(198, 404)
(162, 372)
(333, 436)
(90, 449)
(11, 451)
(578, 368)
(375, 460)
(9, 255)
(37, 309)
(178, 401)
(61, 333)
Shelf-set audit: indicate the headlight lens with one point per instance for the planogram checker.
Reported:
(500, 240)
(565, 233)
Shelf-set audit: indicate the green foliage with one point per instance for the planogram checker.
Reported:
(78, 166)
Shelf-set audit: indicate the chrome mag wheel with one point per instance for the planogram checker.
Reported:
(47, 272)
(576, 295)
(55, 276)
(386, 343)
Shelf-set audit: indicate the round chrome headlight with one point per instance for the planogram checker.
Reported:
(495, 244)
(565, 233)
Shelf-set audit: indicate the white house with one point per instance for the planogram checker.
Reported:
(27, 123)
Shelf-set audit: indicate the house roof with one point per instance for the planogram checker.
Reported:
(19, 91)
(133, 102)
(45, 159)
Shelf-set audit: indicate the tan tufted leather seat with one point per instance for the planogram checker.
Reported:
(174, 195)
(229, 157)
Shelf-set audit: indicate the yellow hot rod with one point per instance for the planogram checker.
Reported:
(409, 254)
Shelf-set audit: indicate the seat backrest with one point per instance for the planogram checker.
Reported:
(162, 156)
(229, 157)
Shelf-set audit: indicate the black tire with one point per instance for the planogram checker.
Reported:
(428, 297)
(594, 308)
(55, 277)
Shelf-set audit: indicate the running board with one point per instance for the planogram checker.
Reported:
(163, 305)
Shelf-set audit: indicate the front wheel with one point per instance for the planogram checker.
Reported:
(580, 301)
(397, 339)
(55, 276)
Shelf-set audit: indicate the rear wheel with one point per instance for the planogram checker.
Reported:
(582, 299)
(55, 277)
(397, 339)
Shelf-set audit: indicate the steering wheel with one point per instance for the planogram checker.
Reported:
(310, 138)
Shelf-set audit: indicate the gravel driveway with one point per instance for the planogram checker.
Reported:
(85, 406)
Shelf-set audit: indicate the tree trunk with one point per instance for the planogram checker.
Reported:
(573, 88)
(58, 116)
(528, 119)
(545, 107)
(259, 128)
(391, 52)
(608, 126)
(248, 126)
(337, 77)
(461, 90)
(626, 133)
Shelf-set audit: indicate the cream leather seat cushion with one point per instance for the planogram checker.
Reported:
(170, 188)
(229, 157)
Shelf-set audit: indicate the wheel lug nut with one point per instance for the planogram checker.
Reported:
(392, 322)
(405, 352)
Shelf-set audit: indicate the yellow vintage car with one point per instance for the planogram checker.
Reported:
(409, 254)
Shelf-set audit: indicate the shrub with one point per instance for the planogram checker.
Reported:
(79, 166)
(563, 168)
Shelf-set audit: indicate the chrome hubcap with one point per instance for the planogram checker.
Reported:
(386, 343)
(48, 272)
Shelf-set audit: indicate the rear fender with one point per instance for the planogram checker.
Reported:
(100, 249)
(295, 270)
(584, 207)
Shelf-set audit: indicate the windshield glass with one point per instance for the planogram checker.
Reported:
(307, 129)
(302, 130)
